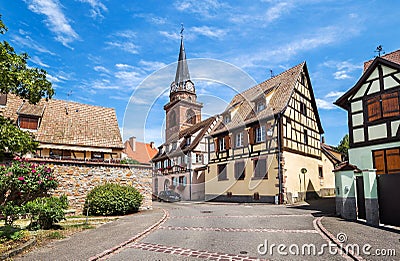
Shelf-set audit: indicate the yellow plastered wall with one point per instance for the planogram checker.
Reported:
(295, 179)
(248, 186)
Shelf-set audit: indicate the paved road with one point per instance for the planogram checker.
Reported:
(228, 231)
(216, 231)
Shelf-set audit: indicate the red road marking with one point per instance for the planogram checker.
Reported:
(229, 229)
(187, 252)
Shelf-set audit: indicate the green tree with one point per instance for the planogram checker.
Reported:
(344, 146)
(30, 84)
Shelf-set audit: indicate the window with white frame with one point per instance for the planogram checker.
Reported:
(221, 144)
(199, 158)
(260, 106)
(227, 118)
(239, 139)
(260, 134)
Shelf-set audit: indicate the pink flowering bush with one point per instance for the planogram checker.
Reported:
(22, 181)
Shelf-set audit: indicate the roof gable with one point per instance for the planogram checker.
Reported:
(370, 73)
(281, 87)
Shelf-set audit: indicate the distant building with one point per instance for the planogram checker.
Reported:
(180, 163)
(268, 145)
(67, 130)
(139, 151)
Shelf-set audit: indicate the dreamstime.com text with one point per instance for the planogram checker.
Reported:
(330, 248)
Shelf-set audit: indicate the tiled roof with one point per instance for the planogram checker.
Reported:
(346, 166)
(331, 153)
(200, 127)
(31, 110)
(69, 123)
(282, 87)
(143, 151)
(393, 57)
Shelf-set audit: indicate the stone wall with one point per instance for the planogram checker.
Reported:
(77, 179)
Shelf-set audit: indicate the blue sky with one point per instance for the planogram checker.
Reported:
(102, 50)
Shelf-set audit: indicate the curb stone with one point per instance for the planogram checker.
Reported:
(133, 239)
(19, 249)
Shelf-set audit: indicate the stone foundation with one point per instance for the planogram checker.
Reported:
(77, 179)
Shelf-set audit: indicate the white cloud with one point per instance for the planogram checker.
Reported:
(334, 94)
(211, 32)
(56, 20)
(124, 40)
(39, 62)
(341, 75)
(173, 36)
(344, 69)
(205, 8)
(97, 8)
(151, 66)
(52, 79)
(319, 37)
(102, 85)
(27, 41)
(277, 11)
(125, 46)
(326, 105)
(101, 69)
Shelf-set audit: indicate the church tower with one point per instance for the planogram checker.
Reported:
(182, 110)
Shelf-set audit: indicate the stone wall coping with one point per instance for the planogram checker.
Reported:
(89, 163)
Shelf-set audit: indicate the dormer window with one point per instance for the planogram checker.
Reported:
(173, 146)
(260, 106)
(227, 118)
(30, 123)
(188, 141)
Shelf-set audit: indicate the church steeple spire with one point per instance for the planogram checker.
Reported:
(182, 71)
(182, 81)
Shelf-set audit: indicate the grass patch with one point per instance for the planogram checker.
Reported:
(55, 235)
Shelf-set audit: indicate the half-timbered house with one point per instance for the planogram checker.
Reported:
(267, 147)
(374, 115)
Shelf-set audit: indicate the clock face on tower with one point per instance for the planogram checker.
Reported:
(189, 86)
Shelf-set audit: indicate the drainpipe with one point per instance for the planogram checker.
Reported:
(280, 171)
(190, 175)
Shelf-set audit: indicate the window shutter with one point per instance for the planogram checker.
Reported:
(216, 145)
(227, 144)
(374, 109)
(390, 104)
(393, 161)
(251, 136)
(245, 138)
(379, 161)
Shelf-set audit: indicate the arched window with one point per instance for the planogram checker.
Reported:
(190, 117)
(167, 183)
(172, 119)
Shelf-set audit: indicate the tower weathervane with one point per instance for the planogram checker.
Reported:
(379, 50)
(182, 30)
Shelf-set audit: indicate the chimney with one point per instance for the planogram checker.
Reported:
(152, 145)
(323, 139)
(132, 142)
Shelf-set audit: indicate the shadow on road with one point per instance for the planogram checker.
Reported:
(321, 206)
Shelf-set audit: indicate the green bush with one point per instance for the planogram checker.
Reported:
(112, 199)
(129, 161)
(10, 233)
(45, 212)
